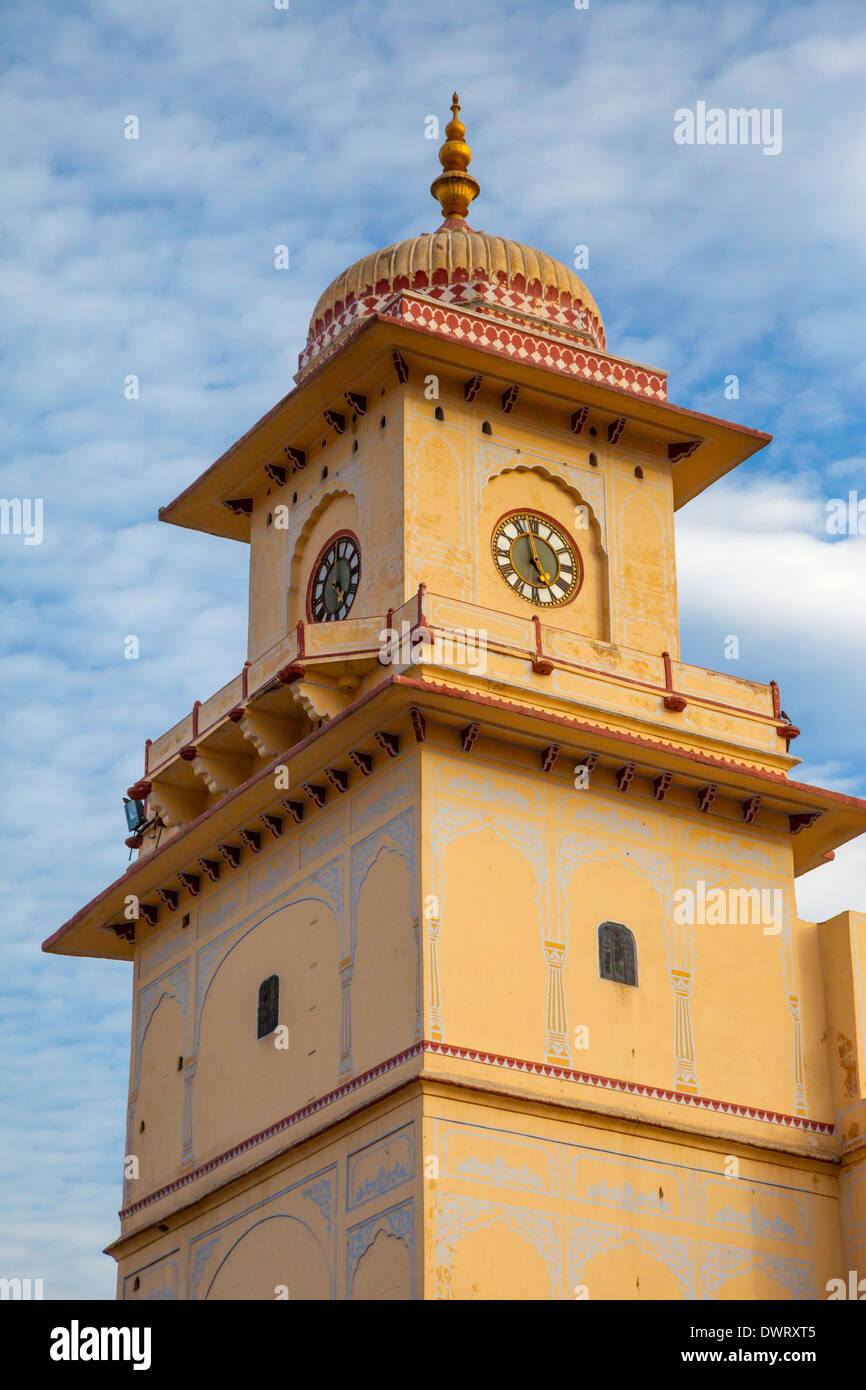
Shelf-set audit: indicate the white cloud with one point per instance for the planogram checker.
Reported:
(836, 887)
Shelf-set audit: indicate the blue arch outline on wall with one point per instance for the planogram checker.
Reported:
(506, 829)
(356, 898)
(389, 842)
(276, 1216)
(397, 1222)
(132, 1110)
(280, 907)
(169, 992)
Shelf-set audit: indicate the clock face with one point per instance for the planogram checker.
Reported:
(537, 559)
(334, 581)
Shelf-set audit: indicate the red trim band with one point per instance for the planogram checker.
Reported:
(469, 1054)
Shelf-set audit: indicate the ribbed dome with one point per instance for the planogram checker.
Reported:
(457, 266)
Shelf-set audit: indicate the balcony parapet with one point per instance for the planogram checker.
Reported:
(325, 663)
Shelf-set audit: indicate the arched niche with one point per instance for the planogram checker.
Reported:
(160, 1097)
(534, 488)
(743, 1024)
(279, 1252)
(626, 1031)
(385, 970)
(243, 1083)
(646, 592)
(636, 1267)
(436, 510)
(337, 511)
(493, 977)
(498, 1253)
(384, 1271)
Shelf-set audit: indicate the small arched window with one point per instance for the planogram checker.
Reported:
(269, 1005)
(439, 413)
(617, 954)
(487, 428)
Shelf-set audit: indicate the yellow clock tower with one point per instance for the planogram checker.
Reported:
(466, 961)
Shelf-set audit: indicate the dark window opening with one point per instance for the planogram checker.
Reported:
(593, 461)
(269, 1005)
(617, 954)
(324, 472)
(487, 428)
(638, 472)
(439, 413)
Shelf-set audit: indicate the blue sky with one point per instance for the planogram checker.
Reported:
(154, 257)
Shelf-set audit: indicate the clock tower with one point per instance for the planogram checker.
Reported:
(466, 961)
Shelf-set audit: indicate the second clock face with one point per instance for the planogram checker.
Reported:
(335, 578)
(536, 559)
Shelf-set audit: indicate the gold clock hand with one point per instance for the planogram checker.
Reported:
(535, 560)
(542, 572)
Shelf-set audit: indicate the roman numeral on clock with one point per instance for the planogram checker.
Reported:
(536, 559)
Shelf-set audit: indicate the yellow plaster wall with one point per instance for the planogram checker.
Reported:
(517, 869)
(362, 491)
(424, 497)
(331, 909)
(337, 1218)
(842, 952)
(243, 1083)
(156, 1137)
(523, 868)
(643, 551)
(268, 575)
(385, 975)
(335, 511)
(451, 1195)
(460, 481)
(527, 1205)
(853, 1204)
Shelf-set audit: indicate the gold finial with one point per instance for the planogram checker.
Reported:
(455, 188)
